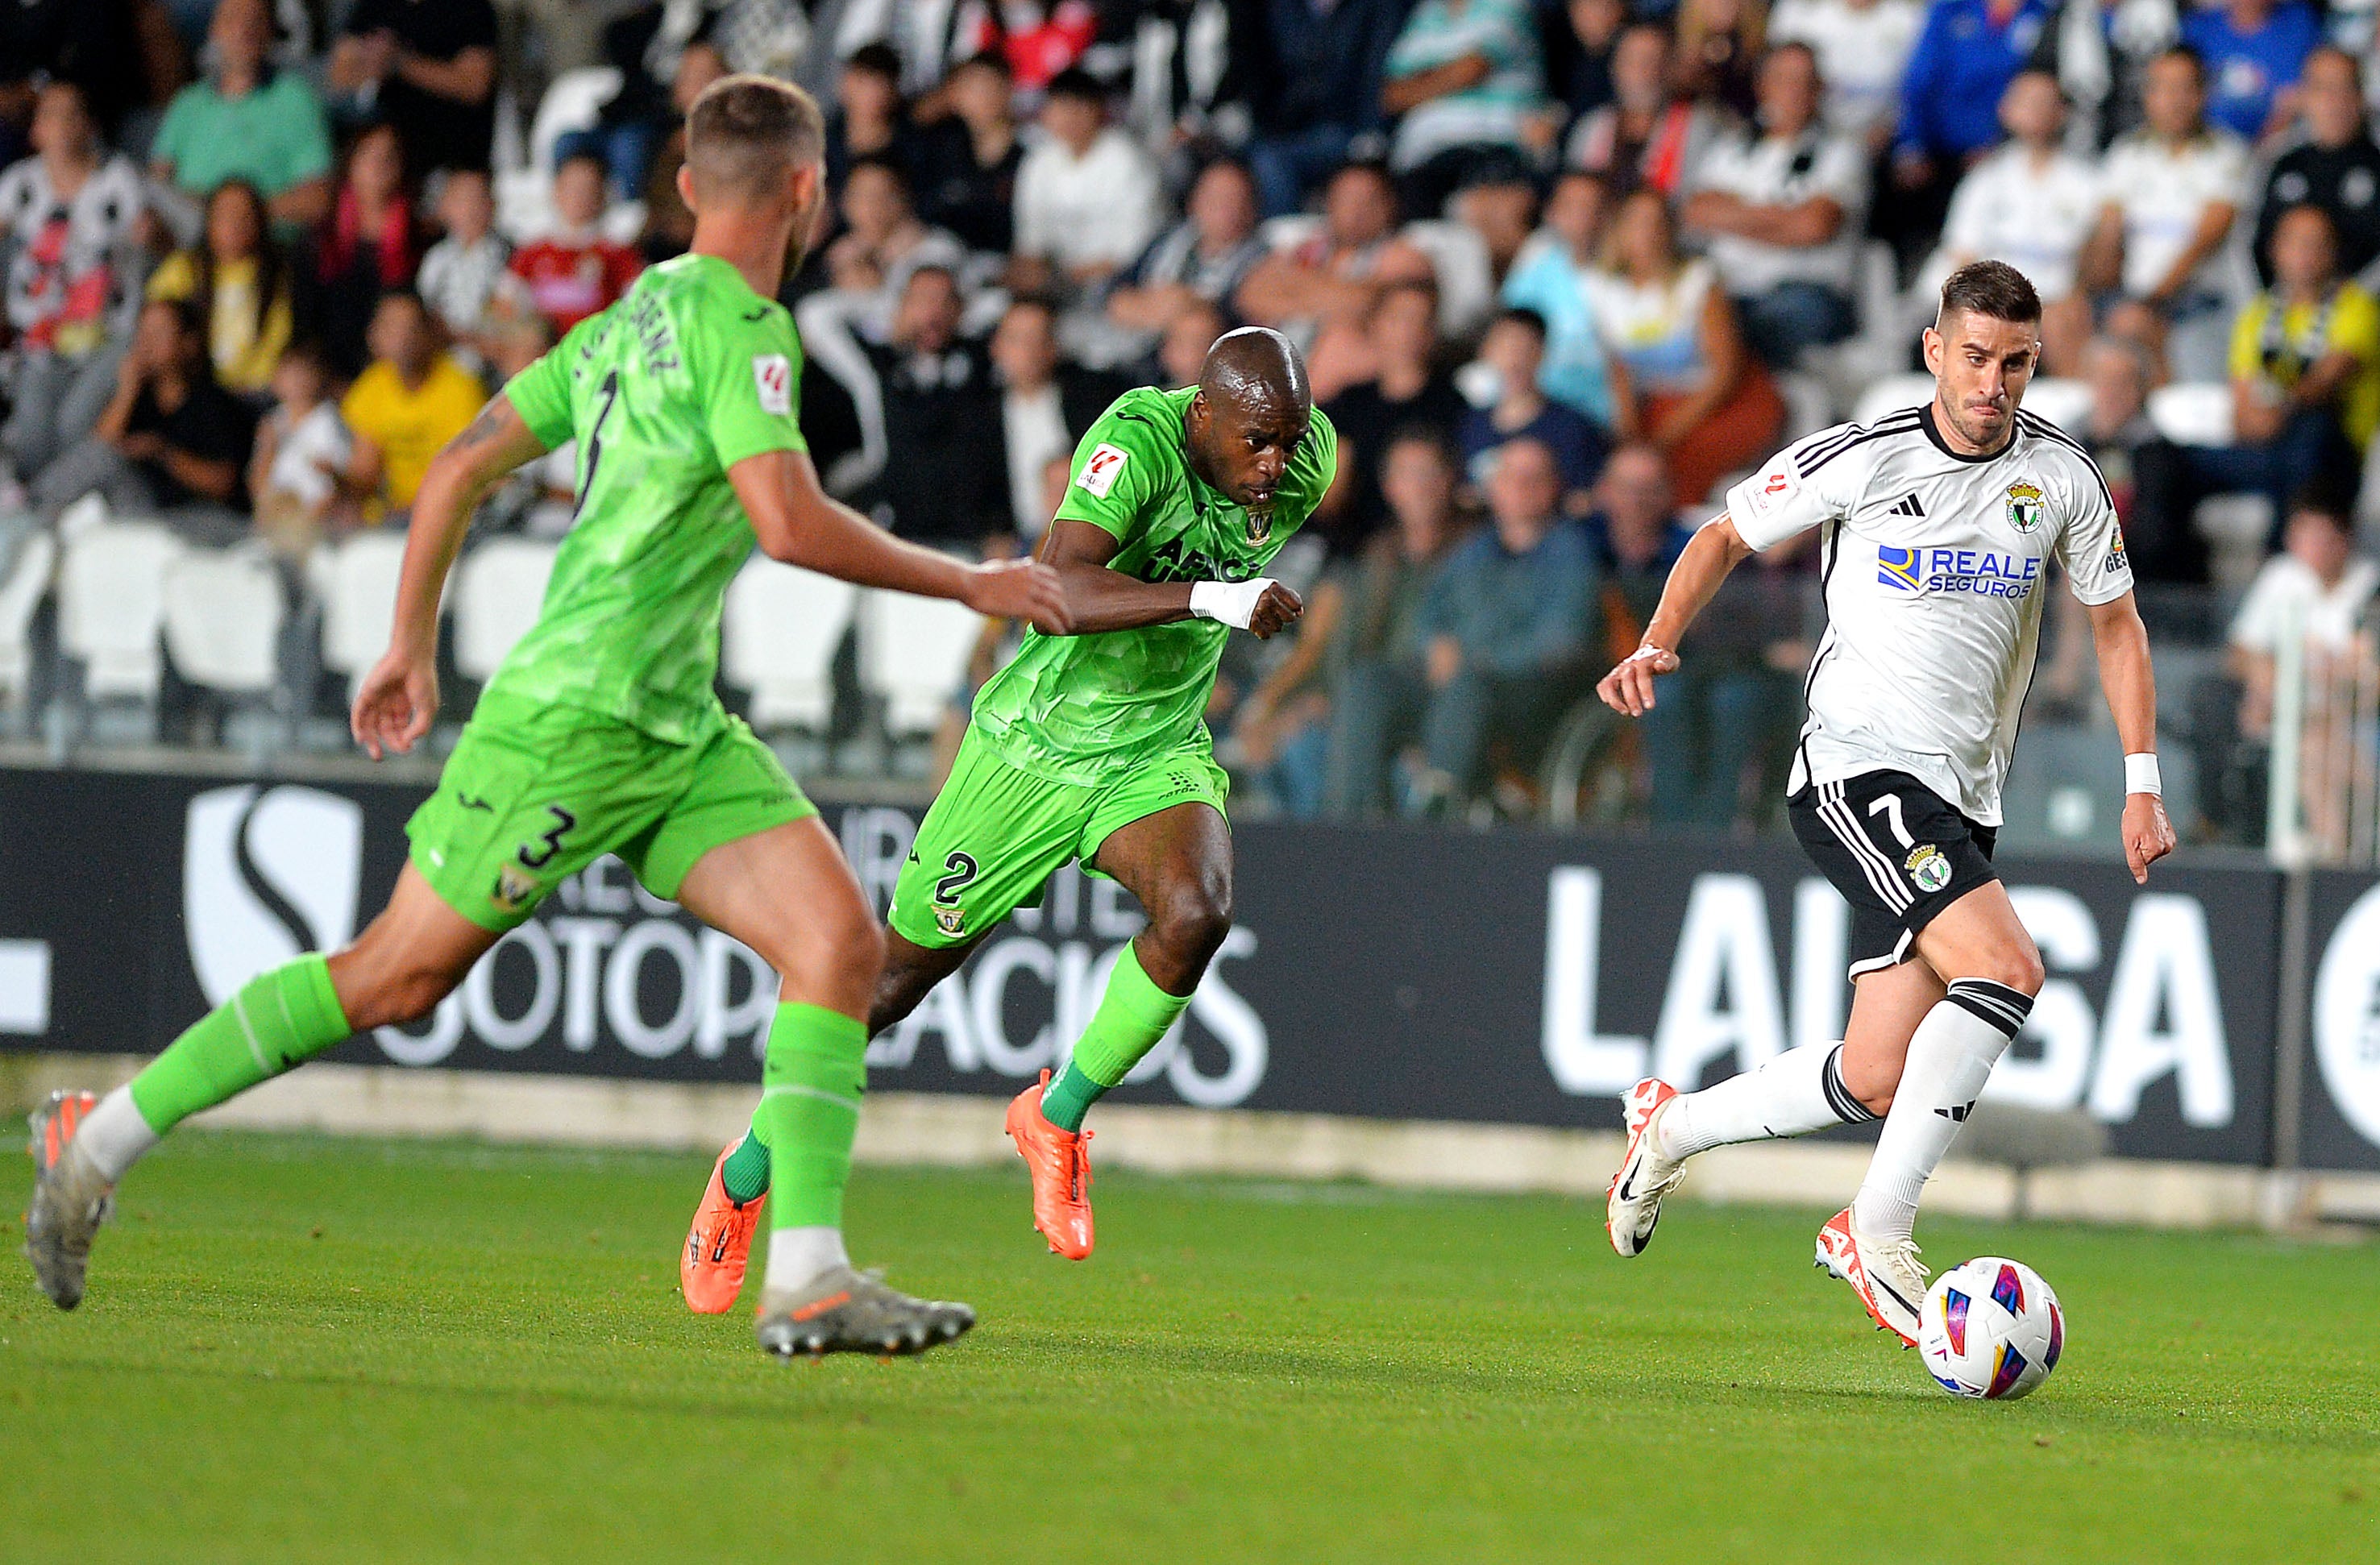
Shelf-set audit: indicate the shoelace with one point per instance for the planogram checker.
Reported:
(1079, 1174)
(1902, 1254)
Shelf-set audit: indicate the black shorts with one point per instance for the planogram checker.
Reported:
(1896, 853)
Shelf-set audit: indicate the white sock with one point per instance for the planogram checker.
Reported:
(113, 1135)
(1950, 1057)
(1800, 1091)
(799, 1257)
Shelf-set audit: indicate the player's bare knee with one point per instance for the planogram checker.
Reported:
(2019, 967)
(1189, 925)
(384, 994)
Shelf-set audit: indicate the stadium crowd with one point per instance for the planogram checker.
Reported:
(1560, 268)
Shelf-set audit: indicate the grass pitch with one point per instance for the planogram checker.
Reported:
(299, 1349)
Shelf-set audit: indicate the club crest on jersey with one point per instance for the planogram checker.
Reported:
(2024, 506)
(1929, 871)
(950, 920)
(1260, 525)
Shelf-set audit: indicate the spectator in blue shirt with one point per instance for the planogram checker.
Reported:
(1514, 349)
(1506, 626)
(1314, 71)
(1965, 57)
(2254, 51)
(1549, 276)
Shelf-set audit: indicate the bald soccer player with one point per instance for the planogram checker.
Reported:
(601, 733)
(1090, 745)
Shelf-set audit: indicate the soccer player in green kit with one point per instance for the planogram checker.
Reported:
(601, 732)
(1091, 746)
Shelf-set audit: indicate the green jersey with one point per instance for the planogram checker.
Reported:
(689, 373)
(1076, 708)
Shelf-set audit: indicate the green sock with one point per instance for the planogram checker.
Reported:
(1133, 1014)
(282, 1019)
(812, 1080)
(745, 1172)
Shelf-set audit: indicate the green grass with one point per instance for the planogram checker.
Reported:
(313, 1350)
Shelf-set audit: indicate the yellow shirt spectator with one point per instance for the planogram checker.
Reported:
(244, 341)
(406, 426)
(2263, 349)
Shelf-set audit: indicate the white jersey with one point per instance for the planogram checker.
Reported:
(1935, 565)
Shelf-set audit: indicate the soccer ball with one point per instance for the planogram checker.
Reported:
(1991, 1328)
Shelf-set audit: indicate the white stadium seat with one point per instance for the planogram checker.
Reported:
(112, 603)
(223, 611)
(777, 641)
(357, 581)
(1891, 394)
(2193, 412)
(498, 590)
(2065, 402)
(21, 594)
(913, 652)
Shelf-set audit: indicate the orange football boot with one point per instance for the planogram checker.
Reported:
(710, 1273)
(1061, 1161)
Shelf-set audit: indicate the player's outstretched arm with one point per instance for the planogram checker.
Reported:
(1103, 599)
(399, 697)
(1715, 550)
(2131, 683)
(797, 522)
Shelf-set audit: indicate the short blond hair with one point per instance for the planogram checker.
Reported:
(746, 133)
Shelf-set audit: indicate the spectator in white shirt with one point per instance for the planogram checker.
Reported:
(1781, 209)
(1089, 199)
(1045, 406)
(463, 273)
(301, 449)
(2032, 204)
(2319, 590)
(1863, 47)
(2173, 188)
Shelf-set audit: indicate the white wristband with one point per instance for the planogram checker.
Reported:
(1231, 602)
(2140, 773)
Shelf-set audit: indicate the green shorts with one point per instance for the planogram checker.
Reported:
(535, 793)
(997, 834)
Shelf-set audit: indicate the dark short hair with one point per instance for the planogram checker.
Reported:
(882, 162)
(1523, 316)
(1993, 288)
(190, 318)
(987, 59)
(1078, 84)
(2183, 51)
(1421, 435)
(875, 59)
(747, 132)
(402, 294)
(2327, 498)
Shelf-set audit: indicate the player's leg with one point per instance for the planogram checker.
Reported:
(787, 893)
(992, 839)
(1988, 972)
(1804, 1089)
(910, 973)
(407, 961)
(1178, 862)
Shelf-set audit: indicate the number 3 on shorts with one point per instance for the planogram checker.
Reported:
(542, 853)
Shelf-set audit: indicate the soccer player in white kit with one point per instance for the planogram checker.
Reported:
(1937, 525)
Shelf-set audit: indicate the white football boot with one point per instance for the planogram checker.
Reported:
(1632, 1204)
(1885, 1273)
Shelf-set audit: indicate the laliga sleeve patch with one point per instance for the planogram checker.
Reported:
(1099, 472)
(1771, 489)
(773, 374)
